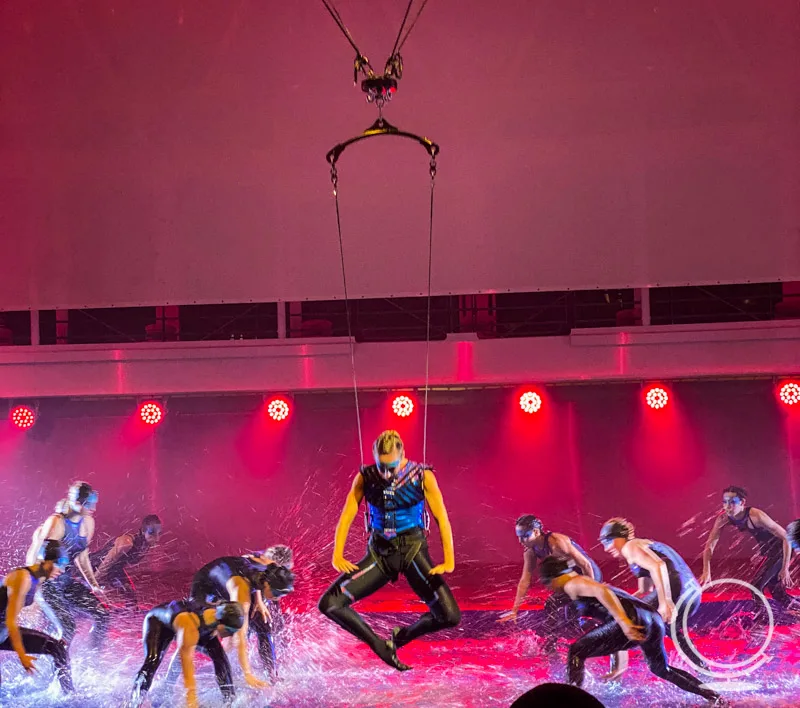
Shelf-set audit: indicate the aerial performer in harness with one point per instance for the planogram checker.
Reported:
(396, 491)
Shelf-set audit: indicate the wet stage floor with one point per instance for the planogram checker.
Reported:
(481, 663)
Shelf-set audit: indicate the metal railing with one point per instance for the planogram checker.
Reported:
(502, 315)
(714, 303)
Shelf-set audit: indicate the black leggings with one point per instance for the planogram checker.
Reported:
(265, 636)
(63, 601)
(559, 616)
(156, 637)
(385, 561)
(768, 578)
(609, 638)
(689, 609)
(40, 643)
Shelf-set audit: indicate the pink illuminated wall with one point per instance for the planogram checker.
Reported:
(225, 482)
(169, 151)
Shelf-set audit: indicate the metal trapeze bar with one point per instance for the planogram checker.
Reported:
(381, 127)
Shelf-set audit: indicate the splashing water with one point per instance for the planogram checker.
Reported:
(478, 664)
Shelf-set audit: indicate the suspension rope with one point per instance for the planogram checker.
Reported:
(396, 49)
(361, 63)
(411, 27)
(337, 18)
(394, 64)
(379, 90)
(428, 326)
(335, 182)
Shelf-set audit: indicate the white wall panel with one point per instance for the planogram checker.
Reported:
(165, 152)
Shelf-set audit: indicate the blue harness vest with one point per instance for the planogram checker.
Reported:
(395, 505)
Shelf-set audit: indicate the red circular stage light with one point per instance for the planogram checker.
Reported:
(656, 397)
(278, 409)
(530, 402)
(151, 413)
(23, 417)
(402, 406)
(790, 393)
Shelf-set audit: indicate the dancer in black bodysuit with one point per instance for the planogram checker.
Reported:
(66, 597)
(244, 580)
(539, 544)
(773, 545)
(664, 577)
(396, 491)
(196, 626)
(627, 623)
(18, 590)
(113, 560)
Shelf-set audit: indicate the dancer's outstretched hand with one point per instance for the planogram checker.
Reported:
(28, 663)
(786, 579)
(510, 616)
(442, 568)
(343, 565)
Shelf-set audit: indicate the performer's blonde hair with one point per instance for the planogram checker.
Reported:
(388, 441)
